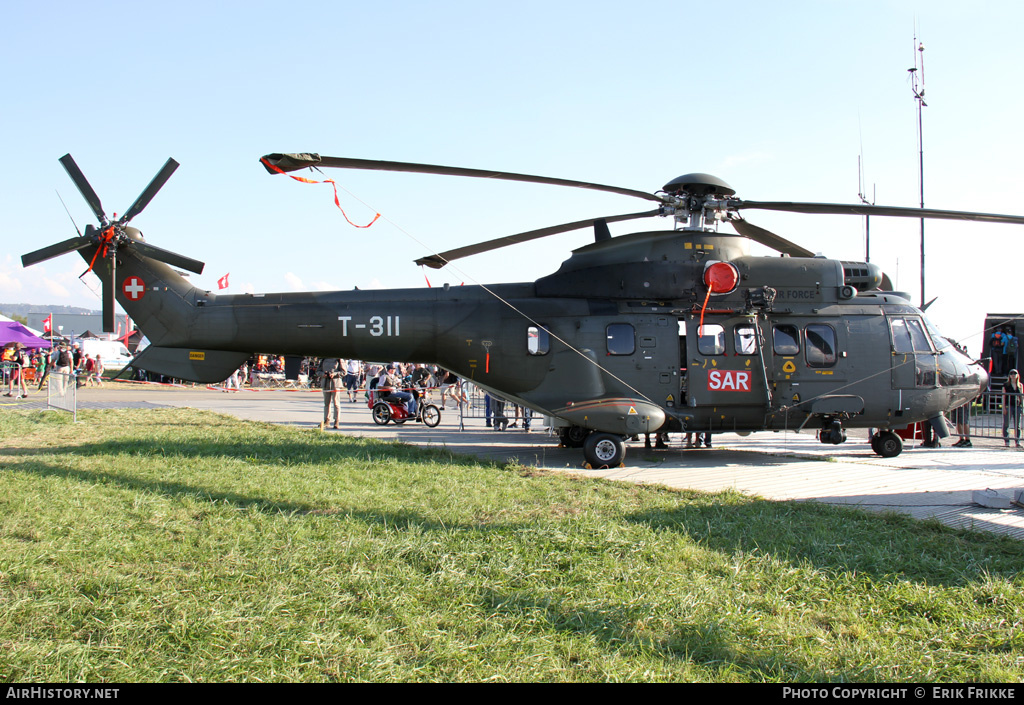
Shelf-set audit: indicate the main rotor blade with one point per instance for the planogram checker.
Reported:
(168, 257)
(861, 209)
(439, 260)
(147, 194)
(83, 187)
(768, 238)
(75, 243)
(294, 162)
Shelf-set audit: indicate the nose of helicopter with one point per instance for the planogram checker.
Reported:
(982, 378)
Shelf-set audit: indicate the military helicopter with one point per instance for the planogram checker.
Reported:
(677, 329)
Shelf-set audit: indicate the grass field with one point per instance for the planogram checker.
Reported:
(182, 545)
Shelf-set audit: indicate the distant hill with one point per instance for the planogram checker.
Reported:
(23, 310)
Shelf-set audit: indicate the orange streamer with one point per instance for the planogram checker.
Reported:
(700, 328)
(104, 245)
(337, 202)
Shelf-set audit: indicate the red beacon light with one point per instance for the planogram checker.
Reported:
(721, 277)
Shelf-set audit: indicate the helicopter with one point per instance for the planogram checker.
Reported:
(663, 330)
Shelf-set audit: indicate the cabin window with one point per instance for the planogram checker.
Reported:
(621, 339)
(745, 339)
(711, 340)
(538, 340)
(821, 345)
(786, 340)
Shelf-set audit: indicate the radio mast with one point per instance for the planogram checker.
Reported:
(917, 84)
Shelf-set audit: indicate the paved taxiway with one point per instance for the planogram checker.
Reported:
(783, 466)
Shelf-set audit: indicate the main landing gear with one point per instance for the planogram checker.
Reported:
(600, 450)
(604, 450)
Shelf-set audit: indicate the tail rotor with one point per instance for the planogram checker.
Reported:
(111, 236)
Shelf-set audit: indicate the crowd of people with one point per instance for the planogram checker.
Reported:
(22, 368)
(1003, 347)
(18, 365)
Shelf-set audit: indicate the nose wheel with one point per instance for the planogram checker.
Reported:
(887, 444)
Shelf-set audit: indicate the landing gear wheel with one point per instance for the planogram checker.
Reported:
(431, 415)
(574, 436)
(604, 450)
(381, 413)
(887, 444)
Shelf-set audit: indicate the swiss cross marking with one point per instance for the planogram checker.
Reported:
(729, 380)
(134, 288)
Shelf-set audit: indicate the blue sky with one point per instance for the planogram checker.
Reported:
(778, 99)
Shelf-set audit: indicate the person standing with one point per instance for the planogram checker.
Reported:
(962, 419)
(420, 380)
(995, 351)
(62, 369)
(88, 369)
(352, 368)
(17, 362)
(1009, 349)
(331, 386)
(1012, 407)
(97, 370)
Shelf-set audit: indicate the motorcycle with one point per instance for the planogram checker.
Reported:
(383, 411)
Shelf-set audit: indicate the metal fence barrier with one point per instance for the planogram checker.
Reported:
(994, 415)
(62, 392)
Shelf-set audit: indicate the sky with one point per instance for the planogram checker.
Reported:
(780, 100)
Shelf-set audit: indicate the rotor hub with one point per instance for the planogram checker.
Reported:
(698, 184)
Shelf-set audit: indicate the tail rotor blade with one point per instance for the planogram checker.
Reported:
(75, 243)
(151, 190)
(83, 187)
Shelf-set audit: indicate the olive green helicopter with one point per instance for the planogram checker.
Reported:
(665, 330)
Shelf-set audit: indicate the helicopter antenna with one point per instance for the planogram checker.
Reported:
(68, 212)
(917, 84)
(864, 198)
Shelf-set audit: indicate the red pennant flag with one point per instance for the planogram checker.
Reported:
(222, 283)
(48, 324)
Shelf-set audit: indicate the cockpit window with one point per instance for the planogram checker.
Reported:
(908, 335)
(940, 341)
